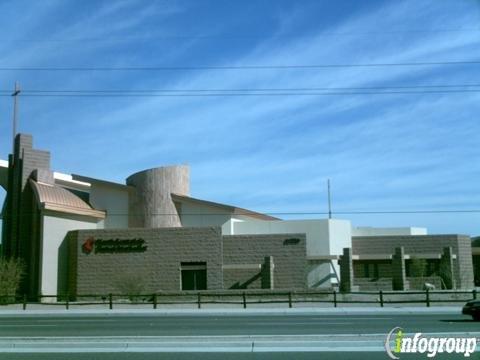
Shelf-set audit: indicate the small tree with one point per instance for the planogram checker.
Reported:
(418, 270)
(130, 285)
(11, 272)
(445, 273)
(418, 267)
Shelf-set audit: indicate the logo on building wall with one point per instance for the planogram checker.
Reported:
(291, 241)
(106, 246)
(88, 245)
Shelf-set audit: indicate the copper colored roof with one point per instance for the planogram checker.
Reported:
(56, 198)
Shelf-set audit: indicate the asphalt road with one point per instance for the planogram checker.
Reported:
(205, 325)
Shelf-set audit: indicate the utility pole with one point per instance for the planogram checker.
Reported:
(329, 200)
(15, 112)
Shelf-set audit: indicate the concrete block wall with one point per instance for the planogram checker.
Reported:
(346, 271)
(384, 269)
(426, 244)
(464, 262)
(268, 274)
(418, 283)
(288, 252)
(399, 276)
(242, 278)
(167, 248)
(370, 284)
(159, 265)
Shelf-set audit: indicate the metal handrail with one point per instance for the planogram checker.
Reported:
(245, 297)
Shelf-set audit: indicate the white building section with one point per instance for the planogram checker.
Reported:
(3, 174)
(325, 237)
(371, 231)
(55, 226)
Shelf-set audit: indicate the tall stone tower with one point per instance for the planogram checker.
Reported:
(21, 218)
(151, 204)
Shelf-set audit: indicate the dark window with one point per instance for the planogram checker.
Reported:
(371, 268)
(194, 276)
(408, 268)
(366, 270)
(433, 267)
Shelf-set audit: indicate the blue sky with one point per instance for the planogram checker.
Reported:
(266, 153)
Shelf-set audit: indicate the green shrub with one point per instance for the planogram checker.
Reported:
(11, 272)
(418, 267)
(130, 285)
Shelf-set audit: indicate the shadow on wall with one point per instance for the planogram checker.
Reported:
(322, 281)
(3, 206)
(62, 275)
(245, 285)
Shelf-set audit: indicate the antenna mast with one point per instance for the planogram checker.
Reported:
(329, 200)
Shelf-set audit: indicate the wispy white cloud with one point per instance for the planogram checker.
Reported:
(275, 153)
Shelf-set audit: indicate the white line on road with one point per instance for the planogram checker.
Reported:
(363, 318)
(298, 323)
(25, 325)
(77, 320)
(349, 318)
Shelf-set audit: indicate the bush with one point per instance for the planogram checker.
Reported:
(130, 285)
(418, 267)
(11, 272)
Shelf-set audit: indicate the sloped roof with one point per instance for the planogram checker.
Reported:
(56, 198)
(228, 208)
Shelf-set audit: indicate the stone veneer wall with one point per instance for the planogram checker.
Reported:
(21, 222)
(159, 265)
(167, 248)
(150, 203)
(426, 244)
(289, 259)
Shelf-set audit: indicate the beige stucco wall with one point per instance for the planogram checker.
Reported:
(54, 229)
(112, 199)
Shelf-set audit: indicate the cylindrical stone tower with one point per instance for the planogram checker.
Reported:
(150, 204)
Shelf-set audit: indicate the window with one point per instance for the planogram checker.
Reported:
(366, 270)
(194, 276)
(371, 270)
(433, 267)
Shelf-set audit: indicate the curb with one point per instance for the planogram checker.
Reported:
(202, 344)
(199, 344)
